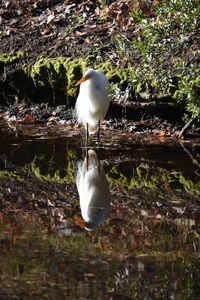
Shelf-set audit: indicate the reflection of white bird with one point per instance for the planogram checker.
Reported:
(92, 102)
(93, 191)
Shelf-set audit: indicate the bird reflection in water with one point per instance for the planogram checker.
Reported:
(93, 191)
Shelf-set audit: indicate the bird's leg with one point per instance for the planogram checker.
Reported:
(87, 134)
(98, 133)
(87, 159)
(98, 162)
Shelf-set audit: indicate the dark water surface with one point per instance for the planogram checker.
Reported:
(118, 222)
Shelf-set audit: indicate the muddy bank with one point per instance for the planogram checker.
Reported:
(119, 117)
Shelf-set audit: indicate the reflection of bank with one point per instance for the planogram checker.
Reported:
(93, 191)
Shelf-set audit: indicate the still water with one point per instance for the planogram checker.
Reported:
(118, 222)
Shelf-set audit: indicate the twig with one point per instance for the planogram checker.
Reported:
(187, 125)
(190, 155)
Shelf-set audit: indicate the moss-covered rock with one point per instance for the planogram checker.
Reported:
(62, 73)
(117, 76)
(7, 59)
(12, 57)
(74, 70)
(12, 175)
(49, 72)
(58, 73)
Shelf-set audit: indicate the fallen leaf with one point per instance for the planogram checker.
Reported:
(167, 187)
(28, 119)
(50, 18)
(1, 217)
(162, 133)
(79, 221)
(89, 275)
(155, 222)
(48, 35)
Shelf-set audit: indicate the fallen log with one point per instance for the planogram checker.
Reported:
(151, 106)
(137, 110)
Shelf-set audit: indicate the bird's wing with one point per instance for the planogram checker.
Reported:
(103, 82)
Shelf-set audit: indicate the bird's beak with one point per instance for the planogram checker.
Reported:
(81, 80)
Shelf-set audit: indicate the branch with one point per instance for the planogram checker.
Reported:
(187, 125)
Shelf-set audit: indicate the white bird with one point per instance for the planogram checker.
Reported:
(92, 102)
(93, 191)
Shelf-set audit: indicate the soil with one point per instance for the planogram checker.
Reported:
(18, 116)
(43, 27)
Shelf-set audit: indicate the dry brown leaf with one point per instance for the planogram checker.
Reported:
(28, 119)
(50, 18)
(167, 187)
(156, 2)
(131, 247)
(162, 133)
(155, 222)
(48, 35)
(89, 275)
(1, 217)
(14, 239)
(79, 221)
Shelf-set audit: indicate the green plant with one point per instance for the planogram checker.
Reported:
(162, 53)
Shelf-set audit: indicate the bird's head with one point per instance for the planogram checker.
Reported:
(88, 74)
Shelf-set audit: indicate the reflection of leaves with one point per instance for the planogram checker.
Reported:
(162, 133)
(148, 176)
(189, 185)
(48, 170)
(28, 119)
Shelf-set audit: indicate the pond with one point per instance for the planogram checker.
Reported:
(121, 221)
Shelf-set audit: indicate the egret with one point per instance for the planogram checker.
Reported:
(92, 102)
(93, 191)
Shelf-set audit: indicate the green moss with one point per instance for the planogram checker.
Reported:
(116, 76)
(11, 175)
(143, 178)
(49, 72)
(12, 57)
(75, 69)
(58, 73)
(7, 59)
